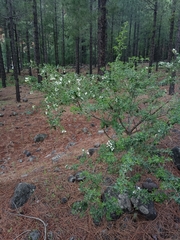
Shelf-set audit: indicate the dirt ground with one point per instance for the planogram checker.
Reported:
(18, 127)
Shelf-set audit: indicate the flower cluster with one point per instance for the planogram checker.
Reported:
(110, 145)
(174, 51)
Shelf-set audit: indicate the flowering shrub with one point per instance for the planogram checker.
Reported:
(127, 100)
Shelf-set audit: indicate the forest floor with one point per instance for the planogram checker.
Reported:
(19, 125)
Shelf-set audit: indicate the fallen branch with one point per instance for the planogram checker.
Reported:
(26, 216)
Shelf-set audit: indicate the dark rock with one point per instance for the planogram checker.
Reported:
(92, 125)
(121, 204)
(70, 144)
(176, 156)
(146, 208)
(21, 195)
(64, 200)
(79, 176)
(27, 153)
(13, 114)
(3, 108)
(34, 235)
(40, 137)
(50, 235)
(149, 185)
(92, 151)
(71, 179)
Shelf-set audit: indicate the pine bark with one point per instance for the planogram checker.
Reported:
(170, 54)
(2, 69)
(102, 27)
(13, 48)
(151, 55)
(36, 40)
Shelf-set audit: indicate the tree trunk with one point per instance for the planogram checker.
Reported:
(77, 55)
(56, 47)
(90, 39)
(177, 45)
(8, 58)
(13, 49)
(63, 38)
(151, 55)
(36, 40)
(28, 51)
(17, 49)
(171, 32)
(102, 26)
(42, 35)
(2, 69)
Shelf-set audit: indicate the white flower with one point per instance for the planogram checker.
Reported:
(46, 112)
(63, 131)
(33, 106)
(31, 92)
(174, 51)
(110, 144)
(26, 79)
(85, 93)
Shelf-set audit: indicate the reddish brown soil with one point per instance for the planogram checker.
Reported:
(17, 134)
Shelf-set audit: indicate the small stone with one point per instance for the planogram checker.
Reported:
(70, 144)
(101, 131)
(85, 130)
(50, 235)
(57, 157)
(3, 109)
(27, 153)
(1, 124)
(40, 137)
(71, 179)
(79, 176)
(13, 114)
(92, 125)
(38, 150)
(64, 200)
(92, 151)
(31, 158)
(20, 160)
(25, 100)
(149, 185)
(97, 145)
(1, 115)
(176, 156)
(19, 105)
(34, 235)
